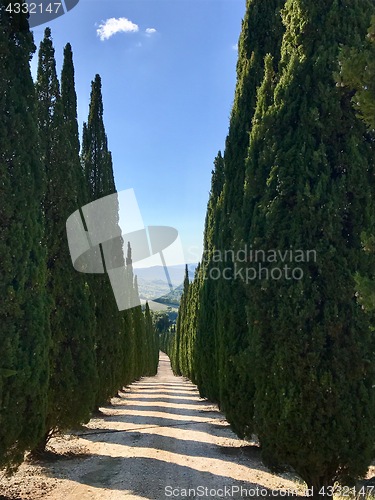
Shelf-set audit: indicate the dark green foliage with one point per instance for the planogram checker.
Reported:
(72, 358)
(59, 327)
(180, 343)
(162, 322)
(69, 102)
(167, 342)
(152, 345)
(261, 34)
(181, 328)
(358, 74)
(219, 340)
(97, 159)
(166, 330)
(207, 373)
(24, 335)
(140, 346)
(190, 327)
(222, 365)
(292, 359)
(178, 353)
(309, 186)
(110, 323)
(124, 350)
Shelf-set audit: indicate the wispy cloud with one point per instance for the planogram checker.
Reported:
(150, 31)
(235, 47)
(112, 26)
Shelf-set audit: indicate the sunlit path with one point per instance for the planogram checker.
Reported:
(158, 440)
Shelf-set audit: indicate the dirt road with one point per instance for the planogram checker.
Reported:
(156, 441)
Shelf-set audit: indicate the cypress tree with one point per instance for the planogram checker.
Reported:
(130, 352)
(69, 103)
(72, 361)
(191, 324)
(184, 356)
(96, 157)
(24, 336)
(262, 32)
(152, 344)
(222, 364)
(179, 347)
(206, 368)
(308, 189)
(147, 343)
(109, 329)
(140, 336)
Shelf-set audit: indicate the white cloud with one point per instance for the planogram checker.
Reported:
(112, 26)
(150, 31)
(235, 47)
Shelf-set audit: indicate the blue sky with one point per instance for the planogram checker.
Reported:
(168, 86)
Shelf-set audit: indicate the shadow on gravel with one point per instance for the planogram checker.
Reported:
(52, 456)
(128, 474)
(186, 394)
(165, 400)
(163, 385)
(167, 420)
(187, 412)
(190, 448)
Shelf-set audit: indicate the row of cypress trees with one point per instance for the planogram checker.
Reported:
(65, 347)
(292, 360)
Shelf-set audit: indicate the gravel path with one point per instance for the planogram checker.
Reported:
(158, 440)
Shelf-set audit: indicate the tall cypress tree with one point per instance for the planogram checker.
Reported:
(69, 103)
(179, 351)
(24, 336)
(308, 189)
(120, 337)
(262, 31)
(130, 352)
(72, 361)
(80, 310)
(98, 171)
(222, 363)
(191, 324)
(140, 336)
(206, 365)
(97, 159)
(152, 344)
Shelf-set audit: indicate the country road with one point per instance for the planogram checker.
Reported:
(156, 441)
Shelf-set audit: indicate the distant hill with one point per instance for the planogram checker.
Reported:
(153, 283)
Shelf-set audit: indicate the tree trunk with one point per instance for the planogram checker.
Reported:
(40, 449)
(320, 489)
